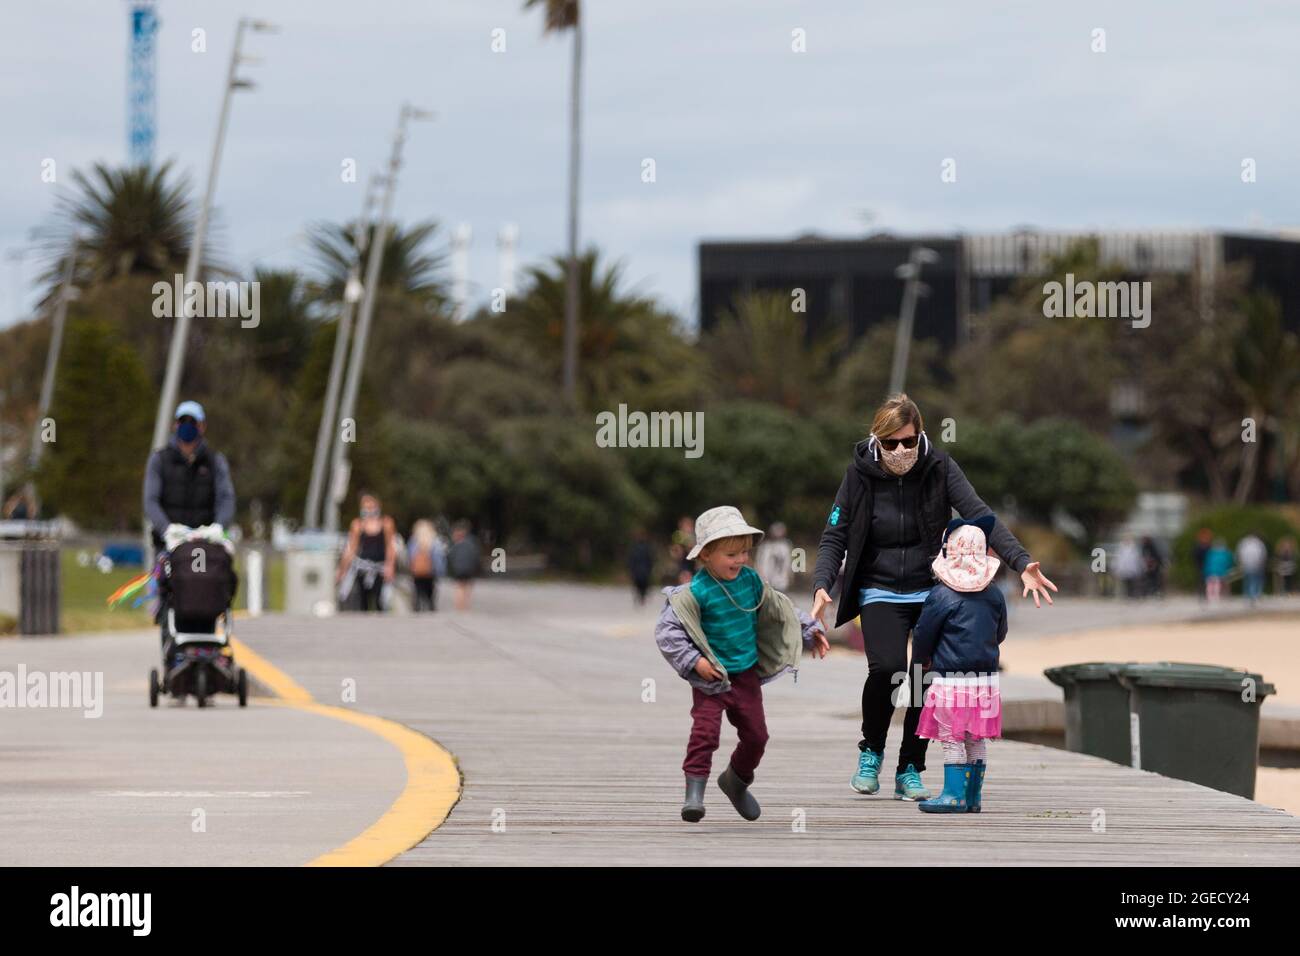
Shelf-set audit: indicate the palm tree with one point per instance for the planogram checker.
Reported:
(565, 15)
(632, 350)
(126, 221)
(761, 350)
(408, 265)
(282, 338)
(1266, 359)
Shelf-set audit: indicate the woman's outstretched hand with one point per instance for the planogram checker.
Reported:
(821, 601)
(1036, 582)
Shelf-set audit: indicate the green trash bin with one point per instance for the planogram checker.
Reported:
(1196, 722)
(1096, 709)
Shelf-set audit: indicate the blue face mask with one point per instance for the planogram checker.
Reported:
(187, 431)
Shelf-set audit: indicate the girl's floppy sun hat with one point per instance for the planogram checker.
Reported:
(964, 562)
(718, 523)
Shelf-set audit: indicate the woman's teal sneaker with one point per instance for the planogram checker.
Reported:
(956, 778)
(908, 785)
(867, 779)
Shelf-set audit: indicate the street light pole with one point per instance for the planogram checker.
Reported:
(572, 288)
(66, 294)
(341, 470)
(180, 334)
(910, 271)
(351, 295)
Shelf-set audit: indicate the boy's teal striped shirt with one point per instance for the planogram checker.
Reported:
(730, 631)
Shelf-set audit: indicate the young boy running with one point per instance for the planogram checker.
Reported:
(727, 633)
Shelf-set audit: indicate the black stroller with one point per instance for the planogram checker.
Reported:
(196, 587)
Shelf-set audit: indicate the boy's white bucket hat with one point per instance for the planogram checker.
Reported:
(721, 522)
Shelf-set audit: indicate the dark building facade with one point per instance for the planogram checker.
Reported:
(1275, 263)
(852, 283)
(846, 282)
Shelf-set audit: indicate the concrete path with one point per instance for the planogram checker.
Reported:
(176, 786)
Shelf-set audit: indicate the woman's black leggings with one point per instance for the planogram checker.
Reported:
(370, 596)
(885, 629)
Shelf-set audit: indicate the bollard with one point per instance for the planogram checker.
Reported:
(253, 591)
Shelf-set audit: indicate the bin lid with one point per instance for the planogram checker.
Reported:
(1074, 673)
(1193, 677)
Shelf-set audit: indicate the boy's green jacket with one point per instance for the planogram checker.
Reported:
(783, 632)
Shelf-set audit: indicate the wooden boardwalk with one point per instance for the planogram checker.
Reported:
(540, 693)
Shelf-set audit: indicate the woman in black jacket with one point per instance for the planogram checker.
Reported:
(886, 525)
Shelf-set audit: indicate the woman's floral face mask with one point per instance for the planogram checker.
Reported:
(900, 460)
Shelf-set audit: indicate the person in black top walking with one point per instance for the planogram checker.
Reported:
(886, 525)
(640, 564)
(370, 558)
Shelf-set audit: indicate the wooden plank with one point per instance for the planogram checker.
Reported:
(539, 692)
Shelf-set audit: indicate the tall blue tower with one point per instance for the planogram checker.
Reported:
(141, 104)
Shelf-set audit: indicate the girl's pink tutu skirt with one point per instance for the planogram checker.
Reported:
(959, 707)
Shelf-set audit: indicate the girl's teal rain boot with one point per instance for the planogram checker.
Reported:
(975, 787)
(956, 779)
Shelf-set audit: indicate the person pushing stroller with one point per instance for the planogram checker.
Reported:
(186, 483)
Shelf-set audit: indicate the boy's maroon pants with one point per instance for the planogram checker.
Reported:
(743, 705)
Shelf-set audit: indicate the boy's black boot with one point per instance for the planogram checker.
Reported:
(693, 808)
(737, 792)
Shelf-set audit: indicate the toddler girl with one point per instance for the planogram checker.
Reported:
(956, 638)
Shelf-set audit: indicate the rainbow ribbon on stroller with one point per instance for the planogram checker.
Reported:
(138, 590)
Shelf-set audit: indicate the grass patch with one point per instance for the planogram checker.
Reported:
(84, 592)
(86, 588)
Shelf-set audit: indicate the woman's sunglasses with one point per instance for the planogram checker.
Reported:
(889, 444)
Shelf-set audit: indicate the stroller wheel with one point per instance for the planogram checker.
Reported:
(153, 687)
(242, 686)
(201, 687)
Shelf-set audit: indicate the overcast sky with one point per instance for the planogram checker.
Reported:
(750, 139)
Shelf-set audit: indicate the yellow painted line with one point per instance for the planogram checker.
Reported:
(432, 777)
(432, 789)
(274, 679)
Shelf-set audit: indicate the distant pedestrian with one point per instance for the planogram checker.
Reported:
(957, 636)
(1218, 563)
(682, 543)
(640, 565)
(369, 560)
(1284, 565)
(1252, 556)
(21, 506)
(1128, 567)
(464, 562)
(727, 633)
(1204, 541)
(1153, 568)
(772, 560)
(427, 558)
